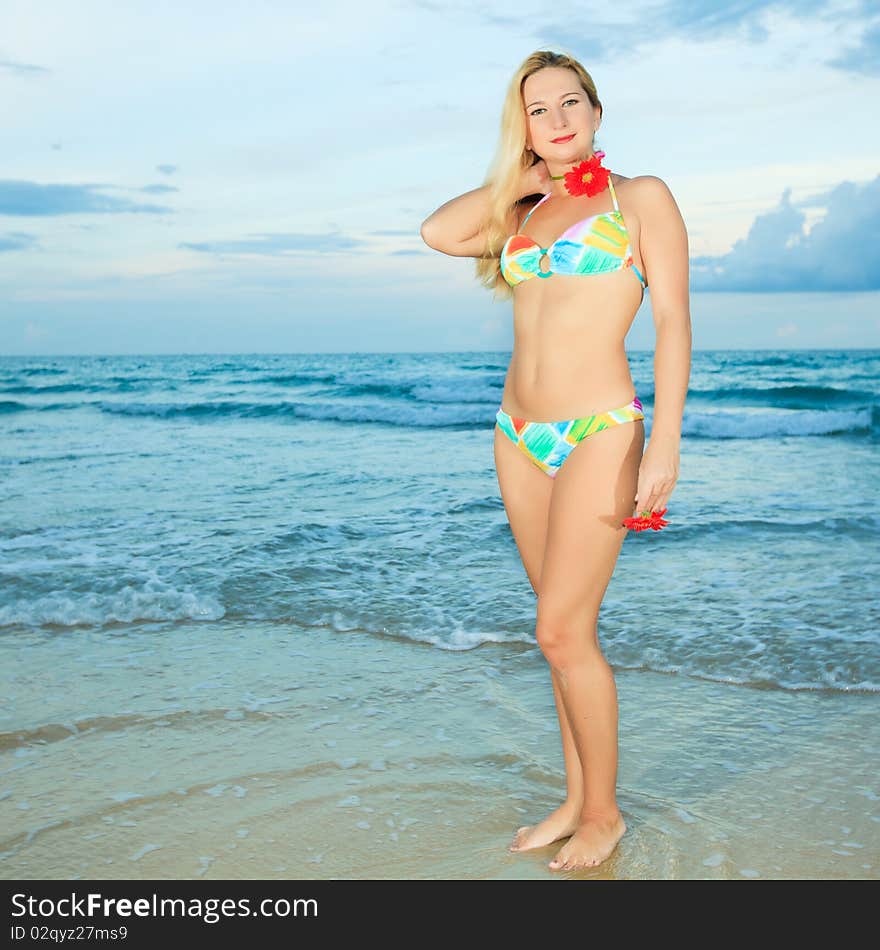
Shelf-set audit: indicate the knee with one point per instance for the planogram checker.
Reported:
(565, 636)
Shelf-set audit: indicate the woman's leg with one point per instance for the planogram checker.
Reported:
(592, 494)
(526, 493)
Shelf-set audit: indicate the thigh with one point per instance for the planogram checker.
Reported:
(593, 492)
(525, 491)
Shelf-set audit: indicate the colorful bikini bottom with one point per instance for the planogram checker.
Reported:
(548, 444)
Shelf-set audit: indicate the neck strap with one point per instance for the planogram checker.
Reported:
(549, 194)
(613, 192)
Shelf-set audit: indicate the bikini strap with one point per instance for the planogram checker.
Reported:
(613, 193)
(526, 218)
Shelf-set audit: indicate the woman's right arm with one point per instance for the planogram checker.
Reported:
(455, 228)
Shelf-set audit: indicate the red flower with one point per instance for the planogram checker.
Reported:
(643, 522)
(589, 177)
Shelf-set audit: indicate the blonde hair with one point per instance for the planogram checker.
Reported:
(512, 159)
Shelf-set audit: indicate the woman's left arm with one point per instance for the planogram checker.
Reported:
(663, 242)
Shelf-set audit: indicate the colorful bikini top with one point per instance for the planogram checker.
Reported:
(596, 245)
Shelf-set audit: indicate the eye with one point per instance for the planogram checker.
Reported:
(540, 109)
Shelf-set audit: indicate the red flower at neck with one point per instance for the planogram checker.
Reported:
(588, 177)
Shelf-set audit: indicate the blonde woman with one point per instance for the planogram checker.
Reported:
(569, 441)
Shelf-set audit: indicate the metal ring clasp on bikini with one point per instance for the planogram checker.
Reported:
(544, 253)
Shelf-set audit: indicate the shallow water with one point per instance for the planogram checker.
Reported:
(222, 750)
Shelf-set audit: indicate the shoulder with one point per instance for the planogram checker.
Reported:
(649, 192)
(650, 197)
(644, 187)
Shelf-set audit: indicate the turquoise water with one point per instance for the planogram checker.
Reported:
(358, 492)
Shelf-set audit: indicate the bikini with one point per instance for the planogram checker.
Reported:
(598, 244)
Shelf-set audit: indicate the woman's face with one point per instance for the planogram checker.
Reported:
(556, 105)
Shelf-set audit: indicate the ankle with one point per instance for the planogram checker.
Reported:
(573, 803)
(603, 816)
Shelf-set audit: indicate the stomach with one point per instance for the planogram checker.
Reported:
(569, 358)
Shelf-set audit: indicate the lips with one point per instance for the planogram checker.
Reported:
(565, 138)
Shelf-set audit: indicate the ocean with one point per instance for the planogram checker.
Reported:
(162, 512)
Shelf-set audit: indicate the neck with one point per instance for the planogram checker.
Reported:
(559, 170)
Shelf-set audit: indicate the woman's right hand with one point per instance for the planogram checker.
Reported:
(535, 180)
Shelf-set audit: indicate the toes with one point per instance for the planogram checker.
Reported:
(517, 838)
(564, 863)
(563, 857)
(515, 843)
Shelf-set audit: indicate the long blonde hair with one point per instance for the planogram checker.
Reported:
(512, 159)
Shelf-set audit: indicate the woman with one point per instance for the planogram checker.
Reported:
(569, 410)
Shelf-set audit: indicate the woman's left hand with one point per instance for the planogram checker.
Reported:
(658, 473)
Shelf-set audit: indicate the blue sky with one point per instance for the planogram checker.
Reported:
(221, 177)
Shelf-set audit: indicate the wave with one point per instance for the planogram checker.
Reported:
(772, 423)
(786, 397)
(409, 416)
(713, 424)
(820, 677)
(148, 602)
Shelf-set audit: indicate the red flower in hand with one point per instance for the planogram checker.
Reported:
(653, 520)
(589, 177)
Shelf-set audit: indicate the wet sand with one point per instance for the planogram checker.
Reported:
(262, 751)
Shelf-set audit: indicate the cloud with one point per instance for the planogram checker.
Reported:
(839, 253)
(159, 189)
(698, 20)
(24, 69)
(166, 169)
(755, 22)
(864, 58)
(17, 241)
(276, 244)
(30, 199)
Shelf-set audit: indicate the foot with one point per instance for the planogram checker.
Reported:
(592, 842)
(560, 824)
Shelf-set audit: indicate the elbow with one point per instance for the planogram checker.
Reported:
(431, 237)
(425, 232)
(674, 319)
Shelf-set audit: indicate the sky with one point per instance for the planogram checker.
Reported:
(215, 177)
